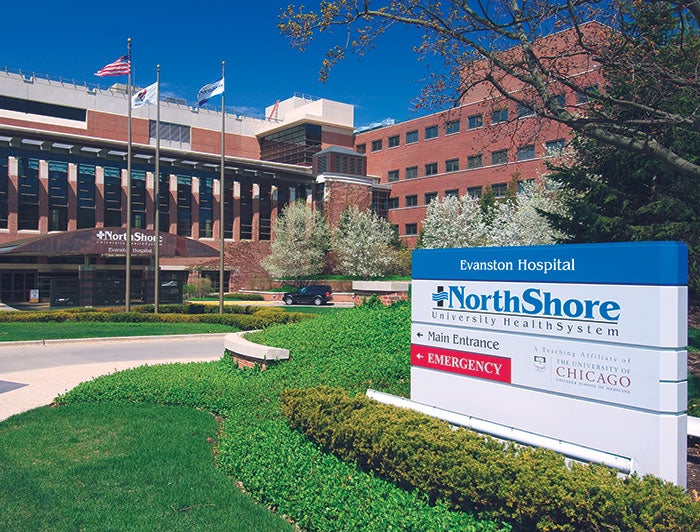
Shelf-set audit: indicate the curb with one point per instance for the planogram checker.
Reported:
(109, 339)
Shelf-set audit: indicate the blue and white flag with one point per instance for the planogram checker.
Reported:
(147, 96)
(212, 89)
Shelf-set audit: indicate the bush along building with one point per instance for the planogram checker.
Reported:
(64, 178)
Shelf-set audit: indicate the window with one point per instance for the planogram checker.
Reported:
(138, 199)
(411, 172)
(499, 190)
(554, 147)
(582, 97)
(394, 141)
(361, 148)
(452, 127)
(525, 111)
(246, 211)
(184, 206)
(526, 152)
(113, 197)
(294, 145)
(377, 145)
(86, 196)
(58, 196)
(28, 192)
(430, 196)
(474, 161)
(452, 193)
(431, 169)
(411, 201)
(206, 201)
(411, 136)
(499, 157)
(174, 133)
(499, 115)
(451, 165)
(411, 229)
(392, 175)
(474, 192)
(476, 121)
(521, 184)
(431, 132)
(559, 100)
(393, 203)
(4, 184)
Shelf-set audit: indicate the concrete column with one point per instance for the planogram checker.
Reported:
(194, 210)
(12, 194)
(173, 205)
(72, 196)
(43, 196)
(255, 207)
(236, 210)
(150, 201)
(99, 196)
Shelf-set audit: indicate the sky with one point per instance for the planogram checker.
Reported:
(72, 40)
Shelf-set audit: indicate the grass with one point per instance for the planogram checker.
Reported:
(118, 466)
(20, 331)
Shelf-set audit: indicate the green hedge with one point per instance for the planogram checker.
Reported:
(244, 318)
(531, 488)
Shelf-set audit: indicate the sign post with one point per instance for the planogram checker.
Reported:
(582, 343)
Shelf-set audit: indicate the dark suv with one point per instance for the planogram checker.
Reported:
(318, 294)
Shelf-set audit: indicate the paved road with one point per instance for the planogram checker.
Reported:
(32, 374)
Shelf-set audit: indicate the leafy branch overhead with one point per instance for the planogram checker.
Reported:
(528, 52)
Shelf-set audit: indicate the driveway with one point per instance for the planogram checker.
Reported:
(32, 374)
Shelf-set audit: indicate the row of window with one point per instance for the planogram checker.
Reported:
(499, 190)
(498, 157)
(498, 116)
(112, 201)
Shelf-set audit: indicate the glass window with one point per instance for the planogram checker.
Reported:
(559, 100)
(499, 157)
(361, 148)
(411, 201)
(294, 145)
(499, 190)
(393, 203)
(377, 145)
(526, 152)
(206, 201)
(476, 121)
(475, 161)
(411, 136)
(246, 210)
(554, 147)
(431, 169)
(411, 172)
(521, 184)
(452, 193)
(452, 127)
(4, 181)
(474, 192)
(392, 175)
(138, 199)
(499, 115)
(451, 165)
(582, 97)
(28, 215)
(164, 203)
(525, 111)
(430, 196)
(431, 132)
(394, 141)
(86, 196)
(58, 196)
(113, 197)
(184, 206)
(411, 229)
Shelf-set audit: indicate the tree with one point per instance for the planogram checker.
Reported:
(517, 221)
(362, 243)
(500, 47)
(300, 245)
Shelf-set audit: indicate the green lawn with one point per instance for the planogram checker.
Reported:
(18, 331)
(117, 466)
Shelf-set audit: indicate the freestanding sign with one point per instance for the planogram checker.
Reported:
(582, 343)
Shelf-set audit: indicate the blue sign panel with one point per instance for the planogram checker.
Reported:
(624, 263)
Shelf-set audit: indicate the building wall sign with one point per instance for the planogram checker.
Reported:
(582, 343)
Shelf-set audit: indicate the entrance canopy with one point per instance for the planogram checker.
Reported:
(108, 242)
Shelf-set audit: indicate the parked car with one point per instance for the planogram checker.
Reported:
(317, 294)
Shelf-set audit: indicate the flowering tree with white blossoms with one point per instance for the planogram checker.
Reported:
(361, 243)
(300, 245)
(462, 222)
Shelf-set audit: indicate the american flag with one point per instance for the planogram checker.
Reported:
(120, 67)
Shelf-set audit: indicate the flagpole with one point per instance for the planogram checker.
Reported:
(156, 195)
(222, 197)
(127, 299)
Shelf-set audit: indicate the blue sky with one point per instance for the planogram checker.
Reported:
(189, 40)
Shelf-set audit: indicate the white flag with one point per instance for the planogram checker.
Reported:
(145, 96)
(212, 89)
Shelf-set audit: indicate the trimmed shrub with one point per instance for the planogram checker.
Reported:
(531, 488)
